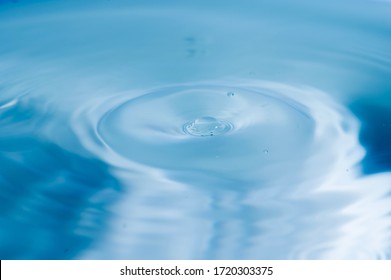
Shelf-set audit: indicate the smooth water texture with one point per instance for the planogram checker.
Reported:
(253, 129)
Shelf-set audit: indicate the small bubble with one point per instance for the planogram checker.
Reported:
(230, 94)
(266, 151)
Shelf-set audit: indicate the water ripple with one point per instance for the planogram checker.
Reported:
(269, 121)
(244, 208)
(147, 130)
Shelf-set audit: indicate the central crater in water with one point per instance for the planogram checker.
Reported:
(207, 126)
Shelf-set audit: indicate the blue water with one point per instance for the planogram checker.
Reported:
(255, 129)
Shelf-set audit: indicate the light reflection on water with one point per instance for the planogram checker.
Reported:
(201, 130)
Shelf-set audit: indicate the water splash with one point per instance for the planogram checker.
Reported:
(207, 126)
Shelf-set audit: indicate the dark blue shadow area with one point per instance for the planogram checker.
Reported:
(53, 203)
(375, 134)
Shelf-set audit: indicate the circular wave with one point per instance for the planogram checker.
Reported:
(208, 167)
(248, 130)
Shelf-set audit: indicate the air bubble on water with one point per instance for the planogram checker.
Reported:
(265, 151)
(230, 94)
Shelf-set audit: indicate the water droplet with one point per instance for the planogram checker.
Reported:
(230, 94)
(207, 126)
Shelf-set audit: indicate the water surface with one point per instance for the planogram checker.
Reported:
(195, 129)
